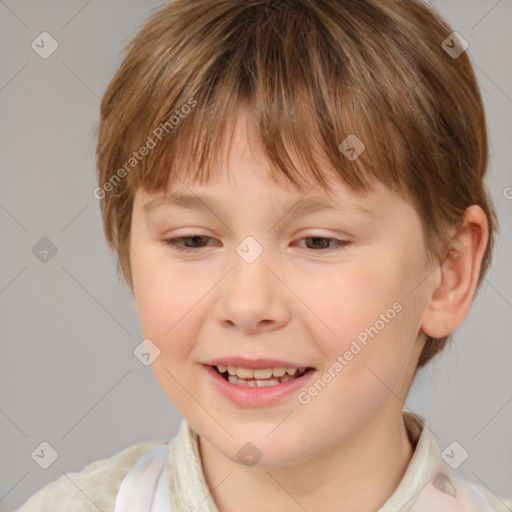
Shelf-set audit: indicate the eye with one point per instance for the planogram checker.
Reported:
(174, 243)
(318, 243)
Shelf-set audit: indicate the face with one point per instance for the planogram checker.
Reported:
(254, 279)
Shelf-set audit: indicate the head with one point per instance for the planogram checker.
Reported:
(259, 105)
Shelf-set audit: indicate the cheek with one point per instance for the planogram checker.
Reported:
(169, 309)
(163, 294)
(168, 314)
(352, 298)
(364, 369)
(371, 318)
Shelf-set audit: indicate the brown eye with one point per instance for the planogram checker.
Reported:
(197, 241)
(322, 243)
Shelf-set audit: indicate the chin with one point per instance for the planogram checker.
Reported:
(258, 451)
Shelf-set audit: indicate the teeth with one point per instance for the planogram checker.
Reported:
(279, 372)
(260, 373)
(260, 376)
(247, 373)
(253, 383)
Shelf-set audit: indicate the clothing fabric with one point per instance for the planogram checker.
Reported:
(168, 477)
(146, 486)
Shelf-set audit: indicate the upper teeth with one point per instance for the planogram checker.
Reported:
(258, 373)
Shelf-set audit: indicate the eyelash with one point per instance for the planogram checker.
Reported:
(173, 243)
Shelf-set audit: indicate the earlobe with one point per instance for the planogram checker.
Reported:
(451, 300)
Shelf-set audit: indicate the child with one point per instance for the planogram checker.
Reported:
(295, 193)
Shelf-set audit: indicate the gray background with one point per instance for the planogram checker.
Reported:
(68, 375)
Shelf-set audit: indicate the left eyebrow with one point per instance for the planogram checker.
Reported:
(319, 203)
(300, 207)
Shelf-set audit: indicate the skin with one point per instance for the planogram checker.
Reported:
(300, 303)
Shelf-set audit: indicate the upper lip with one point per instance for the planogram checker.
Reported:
(242, 362)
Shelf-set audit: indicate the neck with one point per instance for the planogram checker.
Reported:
(376, 458)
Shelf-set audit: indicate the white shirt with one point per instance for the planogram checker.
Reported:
(173, 472)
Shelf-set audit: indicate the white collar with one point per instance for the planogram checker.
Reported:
(427, 479)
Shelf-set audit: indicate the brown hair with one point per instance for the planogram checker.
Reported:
(312, 72)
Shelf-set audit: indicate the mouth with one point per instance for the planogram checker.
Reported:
(259, 377)
(265, 386)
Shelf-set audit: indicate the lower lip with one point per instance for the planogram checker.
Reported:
(257, 396)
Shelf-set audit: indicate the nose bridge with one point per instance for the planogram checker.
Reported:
(250, 275)
(252, 297)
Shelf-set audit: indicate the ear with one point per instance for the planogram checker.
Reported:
(451, 300)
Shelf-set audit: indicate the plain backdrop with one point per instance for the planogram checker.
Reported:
(68, 376)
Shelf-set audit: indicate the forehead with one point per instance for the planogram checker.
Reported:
(252, 189)
(300, 205)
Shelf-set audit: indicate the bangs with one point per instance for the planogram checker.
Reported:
(306, 122)
(294, 146)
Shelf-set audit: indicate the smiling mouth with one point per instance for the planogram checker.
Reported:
(260, 377)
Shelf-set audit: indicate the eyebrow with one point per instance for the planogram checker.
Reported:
(300, 207)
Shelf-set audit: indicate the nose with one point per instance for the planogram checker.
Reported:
(252, 298)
